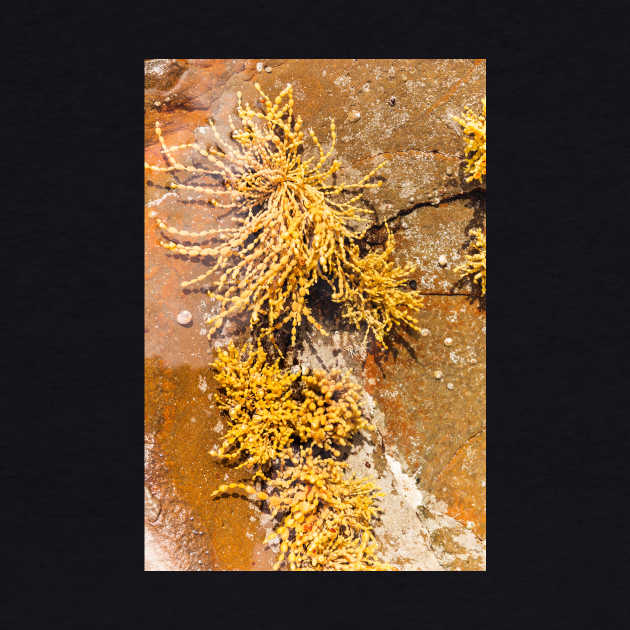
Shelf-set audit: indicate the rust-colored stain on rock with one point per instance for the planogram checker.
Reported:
(221, 534)
(462, 484)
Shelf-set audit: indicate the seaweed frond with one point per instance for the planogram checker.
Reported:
(475, 128)
(475, 262)
(376, 292)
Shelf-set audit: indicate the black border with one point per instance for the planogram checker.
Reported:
(75, 167)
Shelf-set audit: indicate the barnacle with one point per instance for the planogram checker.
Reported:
(325, 519)
(475, 262)
(294, 225)
(475, 128)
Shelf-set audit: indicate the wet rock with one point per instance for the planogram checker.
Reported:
(418, 136)
(424, 423)
(433, 232)
(162, 74)
(185, 103)
(189, 524)
(462, 484)
(454, 545)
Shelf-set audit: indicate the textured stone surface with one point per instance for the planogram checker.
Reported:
(462, 483)
(424, 420)
(428, 232)
(428, 453)
(181, 426)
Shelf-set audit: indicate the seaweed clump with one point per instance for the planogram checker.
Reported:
(325, 518)
(475, 128)
(271, 409)
(257, 398)
(376, 292)
(276, 420)
(475, 262)
(294, 226)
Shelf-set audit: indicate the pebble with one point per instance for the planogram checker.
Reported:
(184, 318)
(153, 214)
(259, 66)
(267, 69)
(450, 386)
(449, 170)
(425, 332)
(354, 115)
(152, 506)
(392, 100)
(438, 374)
(442, 261)
(448, 341)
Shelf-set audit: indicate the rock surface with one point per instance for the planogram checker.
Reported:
(428, 453)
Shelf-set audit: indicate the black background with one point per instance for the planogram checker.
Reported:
(556, 360)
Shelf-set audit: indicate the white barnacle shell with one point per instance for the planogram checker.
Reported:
(184, 318)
